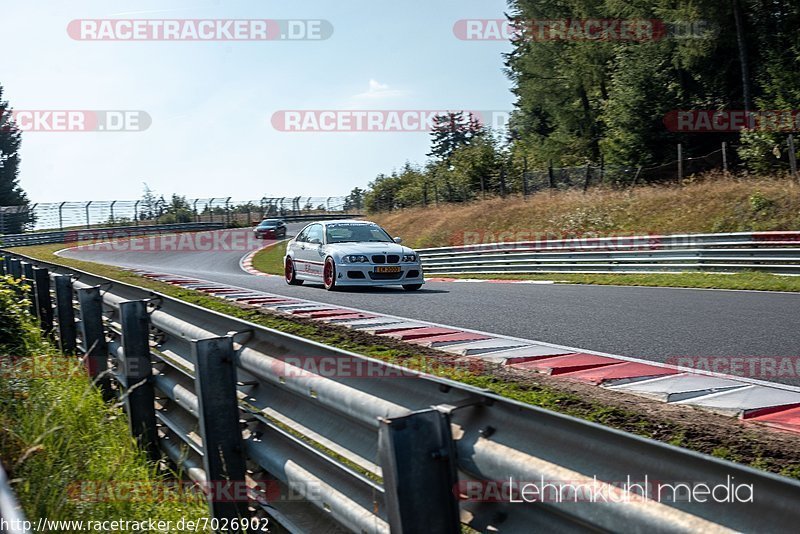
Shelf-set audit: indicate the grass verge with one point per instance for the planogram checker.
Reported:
(270, 259)
(68, 453)
(682, 426)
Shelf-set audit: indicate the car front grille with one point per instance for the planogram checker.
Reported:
(380, 258)
(385, 276)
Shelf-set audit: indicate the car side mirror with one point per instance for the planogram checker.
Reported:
(398, 240)
(314, 241)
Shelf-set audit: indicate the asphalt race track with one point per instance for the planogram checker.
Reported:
(650, 323)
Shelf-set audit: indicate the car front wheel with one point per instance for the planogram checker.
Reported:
(329, 274)
(291, 274)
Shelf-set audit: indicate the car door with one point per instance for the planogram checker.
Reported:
(297, 249)
(312, 251)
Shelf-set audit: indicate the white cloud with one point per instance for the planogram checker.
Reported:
(378, 90)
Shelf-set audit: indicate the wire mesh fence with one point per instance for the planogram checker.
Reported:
(109, 213)
(511, 180)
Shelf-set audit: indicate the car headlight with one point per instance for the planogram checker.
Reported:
(409, 257)
(356, 258)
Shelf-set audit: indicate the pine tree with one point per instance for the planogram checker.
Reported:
(11, 194)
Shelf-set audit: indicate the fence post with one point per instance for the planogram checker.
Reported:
(680, 163)
(61, 217)
(66, 314)
(14, 268)
(550, 176)
(44, 304)
(88, 222)
(136, 212)
(94, 337)
(725, 156)
(137, 372)
(587, 177)
(27, 273)
(223, 458)
(792, 156)
(417, 456)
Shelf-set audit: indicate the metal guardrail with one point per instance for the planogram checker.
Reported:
(319, 217)
(95, 234)
(12, 518)
(391, 450)
(775, 252)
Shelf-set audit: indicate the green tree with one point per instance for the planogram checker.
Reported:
(451, 131)
(11, 194)
(355, 200)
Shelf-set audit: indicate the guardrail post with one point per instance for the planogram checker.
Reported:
(67, 334)
(44, 304)
(27, 273)
(223, 460)
(417, 455)
(14, 268)
(94, 336)
(137, 372)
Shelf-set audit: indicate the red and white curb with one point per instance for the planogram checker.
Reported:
(753, 401)
(246, 263)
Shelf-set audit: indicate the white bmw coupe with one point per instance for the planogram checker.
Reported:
(351, 253)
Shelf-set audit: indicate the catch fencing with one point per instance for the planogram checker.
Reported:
(99, 234)
(88, 214)
(773, 252)
(393, 451)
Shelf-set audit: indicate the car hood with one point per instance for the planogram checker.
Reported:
(368, 248)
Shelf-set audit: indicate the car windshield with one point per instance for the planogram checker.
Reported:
(268, 224)
(355, 232)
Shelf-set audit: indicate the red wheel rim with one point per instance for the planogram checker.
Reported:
(328, 273)
(289, 270)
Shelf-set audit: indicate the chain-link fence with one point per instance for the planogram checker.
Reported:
(513, 180)
(109, 213)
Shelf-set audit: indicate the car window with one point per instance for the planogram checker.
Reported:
(314, 234)
(302, 235)
(355, 232)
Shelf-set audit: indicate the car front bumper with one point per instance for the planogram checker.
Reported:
(365, 274)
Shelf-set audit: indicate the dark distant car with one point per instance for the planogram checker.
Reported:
(270, 229)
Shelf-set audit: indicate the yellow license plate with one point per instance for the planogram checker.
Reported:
(387, 269)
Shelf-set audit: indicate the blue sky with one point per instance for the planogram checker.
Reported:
(211, 102)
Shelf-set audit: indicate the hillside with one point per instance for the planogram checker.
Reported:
(712, 204)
